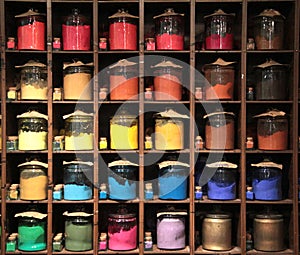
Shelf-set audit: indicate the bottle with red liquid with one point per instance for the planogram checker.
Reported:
(169, 29)
(76, 32)
(31, 30)
(123, 31)
(218, 30)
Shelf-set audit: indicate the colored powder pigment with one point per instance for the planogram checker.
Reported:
(77, 192)
(221, 191)
(267, 189)
(29, 140)
(77, 86)
(31, 36)
(121, 188)
(80, 141)
(122, 238)
(122, 88)
(220, 137)
(274, 43)
(167, 87)
(76, 37)
(169, 42)
(276, 141)
(37, 91)
(171, 234)
(31, 238)
(169, 136)
(217, 42)
(79, 237)
(219, 91)
(172, 186)
(123, 36)
(33, 188)
(123, 137)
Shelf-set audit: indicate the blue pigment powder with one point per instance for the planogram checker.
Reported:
(124, 190)
(172, 186)
(221, 190)
(267, 189)
(77, 192)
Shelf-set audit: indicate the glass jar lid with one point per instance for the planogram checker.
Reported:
(168, 12)
(222, 164)
(218, 215)
(77, 214)
(32, 214)
(32, 63)
(32, 115)
(218, 113)
(77, 163)
(167, 64)
(121, 162)
(270, 215)
(77, 64)
(172, 213)
(219, 62)
(170, 113)
(122, 14)
(30, 12)
(122, 213)
(267, 164)
(270, 13)
(172, 163)
(219, 12)
(271, 113)
(33, 164)
(78, 114)
(123, 115)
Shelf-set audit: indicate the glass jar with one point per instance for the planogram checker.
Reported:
(269, 30)
(78, 181)
(78, 233)
(34, 83)
(79, 133)
(219, 131)
(77, 83)
(122, 231)
(219, 31)
(124, 82)
(123, 31)
(31, 31)
(76, 32)
(169, 30)
(123, 131)
(271, 78)
(33, 181)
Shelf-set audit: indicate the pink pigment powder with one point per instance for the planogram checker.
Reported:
(124, 240)
(76, 37)
(169, 42)
(32, 36)
(217, 42)
(123, 36)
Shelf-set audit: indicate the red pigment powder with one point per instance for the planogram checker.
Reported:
(276, 141)
(217, 42)
(169, 42)
(32, 36)
(76, 37)
(220, 91)
(167, 87)
(123, 36)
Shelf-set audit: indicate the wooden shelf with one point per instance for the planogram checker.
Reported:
(156, 250)
(234, 250)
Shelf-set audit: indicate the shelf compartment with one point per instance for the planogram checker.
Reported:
(210, 201)
(284, 252)
(284, 201)
(26, 201)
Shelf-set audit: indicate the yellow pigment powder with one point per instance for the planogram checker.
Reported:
(123, 137)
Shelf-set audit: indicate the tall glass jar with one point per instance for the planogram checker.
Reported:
(76, 32)
(169, 30)
(269, 30)
(31, 30)
(33, 180)
(123, 31)
(219, 31)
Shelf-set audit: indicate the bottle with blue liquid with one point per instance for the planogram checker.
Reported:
(103, 191)
(249, 193)
(148, 191)
(198, 193)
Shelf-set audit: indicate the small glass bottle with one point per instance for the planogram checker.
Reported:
(103, 242)
(57, 243)
(11, 44)
(249, 242)
(13, 192)
(102, 43)
(57, 94)
(148, 243)
(12, 143)
(103, 143)
(249, 143)
(198, 193)
(148, 143)
(58, 192)
(249, 194)
(11, 244)
(198, 93)
(58, 143)
(250, 44)
(12, 93)
(150, 44)
(250, 94)
(148, 94)
(103, 93)
(103, 191)
(148, 191)
(199, 143)
(56, 45)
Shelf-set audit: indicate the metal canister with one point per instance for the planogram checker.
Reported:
(216, 232)
(268, 232)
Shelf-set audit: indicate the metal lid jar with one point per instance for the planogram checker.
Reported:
(123, 31)
(219, 31)
(79, 128)
(269, 232)
(124, 82)
(32, 131)
(267, 180)
(78, 231)
(76, 32)
(170, 229)
(122, 180)
(32, 231)
(269, 30)
(222, 185)
(122, 231)
(219, 83)
(31, 30)
(33, 81)
(78, 176)
(33, 180)
(169, 30)
(272, 130)
(216, 232)
(77, 82)
(172, 180)
(271, 78)
(123, 131)
(167, 81)
(219, 131)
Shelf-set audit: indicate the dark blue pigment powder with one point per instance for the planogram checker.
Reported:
(221, 191)
(267, 189)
